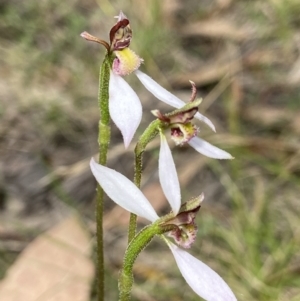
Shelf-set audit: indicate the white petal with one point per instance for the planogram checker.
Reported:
(208, 149)
(122, 191)
(158, 91)
(124, 107)
(168, 175)
(162, 94)
(205, 120)
(201, 278)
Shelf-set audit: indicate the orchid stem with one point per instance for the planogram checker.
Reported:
(103, 140)
(150, 133)
(137, 244)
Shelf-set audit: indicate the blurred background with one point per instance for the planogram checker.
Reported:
(244, 57)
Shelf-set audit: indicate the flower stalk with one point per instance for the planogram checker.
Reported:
(135, 247)
(149, 134)
(103, 141)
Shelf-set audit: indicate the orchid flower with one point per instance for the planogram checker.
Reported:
(124, 105)
(179, 121)
(201, 278)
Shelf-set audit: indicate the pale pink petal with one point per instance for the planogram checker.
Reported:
(124, 107)
(168, 175)
(205, 120)
(122, 191)
(201, 278)
(208, 149)
(162, 94)
(158, 91)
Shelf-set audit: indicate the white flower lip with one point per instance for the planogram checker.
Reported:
(122, 191)
(201, 278)
(162, 94)
(124, 107)
(208, 149)
(168, 176)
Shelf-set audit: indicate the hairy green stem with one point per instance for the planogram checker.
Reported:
(150, 133)
(103, 140)
(137, 244)
(132, 226)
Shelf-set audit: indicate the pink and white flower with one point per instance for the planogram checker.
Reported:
(124, 105)
(200, 277)
(184, 128)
